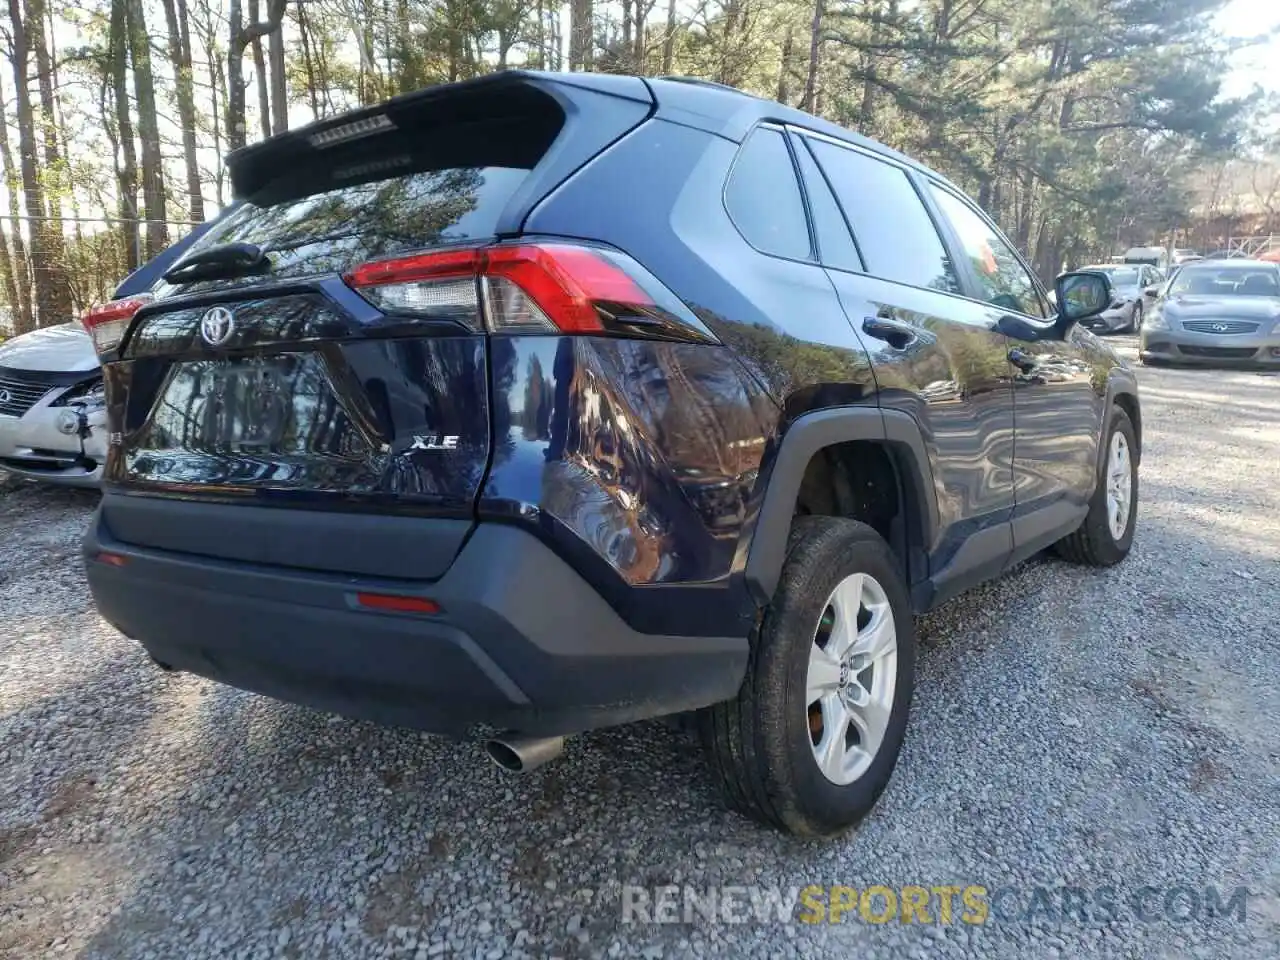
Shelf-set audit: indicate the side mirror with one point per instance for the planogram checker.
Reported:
(1080, 296)
(1152, 291)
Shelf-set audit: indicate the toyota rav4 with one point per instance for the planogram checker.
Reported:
(538, 403)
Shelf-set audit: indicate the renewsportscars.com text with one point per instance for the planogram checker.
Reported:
(972, 904)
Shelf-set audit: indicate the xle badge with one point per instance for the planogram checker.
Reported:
(438, 442)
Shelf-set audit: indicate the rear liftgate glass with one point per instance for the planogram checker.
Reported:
(338, 351)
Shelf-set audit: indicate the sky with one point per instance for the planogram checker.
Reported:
(1258, 65)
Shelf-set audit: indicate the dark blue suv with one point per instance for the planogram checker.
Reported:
(538, 403)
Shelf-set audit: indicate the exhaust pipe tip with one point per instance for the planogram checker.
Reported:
(522, 754)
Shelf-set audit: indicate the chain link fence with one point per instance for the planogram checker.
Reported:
(61, 266)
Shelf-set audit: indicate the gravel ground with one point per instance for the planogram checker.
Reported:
(1070, 729)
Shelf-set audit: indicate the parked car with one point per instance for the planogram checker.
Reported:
(1182, 255)
(476, 418)
(52, 415)
(1216, 312)
(52, 418)
(1130, 298)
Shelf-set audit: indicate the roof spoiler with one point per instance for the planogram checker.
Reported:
(509, 93)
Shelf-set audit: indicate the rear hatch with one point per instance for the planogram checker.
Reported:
(295, 363)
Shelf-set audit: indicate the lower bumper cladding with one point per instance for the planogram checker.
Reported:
(510, 638)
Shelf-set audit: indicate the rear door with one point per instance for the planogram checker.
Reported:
(935, 353)
(312, 378)
(1057, 406)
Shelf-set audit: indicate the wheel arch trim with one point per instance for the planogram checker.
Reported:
(766, 548)
(1121, 383)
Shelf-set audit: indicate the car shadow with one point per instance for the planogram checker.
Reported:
(262, 817)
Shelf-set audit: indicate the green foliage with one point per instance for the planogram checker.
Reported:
(1081, 125)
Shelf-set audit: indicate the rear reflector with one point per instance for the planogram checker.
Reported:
(112, 559)
(106, 324)
(397, 604)
(530, 288)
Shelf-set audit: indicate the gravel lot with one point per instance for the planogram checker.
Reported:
(1069, 729)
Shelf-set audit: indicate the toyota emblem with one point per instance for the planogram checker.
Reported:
(217, 326)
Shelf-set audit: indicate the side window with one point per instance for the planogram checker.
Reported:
(1002, 278)
(835, 243)
(763, 197)
(894, 231)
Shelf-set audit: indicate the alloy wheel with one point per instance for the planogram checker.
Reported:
(1119, 485)
(852, 675)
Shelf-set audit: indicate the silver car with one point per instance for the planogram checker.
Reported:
(1218, 312)
(1130, 302)
(52, 418)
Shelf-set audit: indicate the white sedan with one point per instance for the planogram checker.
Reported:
(52, 417)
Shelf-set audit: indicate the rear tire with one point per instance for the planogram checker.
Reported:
(1135, 320)
(811, 740)
(1100, 541)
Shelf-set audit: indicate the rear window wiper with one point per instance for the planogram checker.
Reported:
(221, 262)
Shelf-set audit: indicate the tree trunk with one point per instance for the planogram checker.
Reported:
(241, 35)
(539, 59)
(809, 100)
(867, 112)
(669, 41)
(731, 44)
(581, 34)
(157, 232)
(8, 285)
(260, 76)
(236, 125)
(53, 260)
(556, 43)
(47, 297)
(453, 20)
(217, 73)
(127, 176)
(78, 304)
(38, 45)
(641, 21)
(304, 31)
(175, 13)
(784, 71)
(279, 89)
(626, 27)
(15, 249)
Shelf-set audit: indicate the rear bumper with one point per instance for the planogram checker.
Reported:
(521, 641)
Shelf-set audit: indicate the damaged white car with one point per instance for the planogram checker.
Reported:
(52, 417)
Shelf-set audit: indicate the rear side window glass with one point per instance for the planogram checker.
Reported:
(835, 244)
(763, 197)
(333, 230)
(894, 230)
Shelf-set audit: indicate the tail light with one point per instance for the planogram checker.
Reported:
(106, 324)
(530, 288)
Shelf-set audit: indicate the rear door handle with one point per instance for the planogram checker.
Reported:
(897, 334)
(1022, 360)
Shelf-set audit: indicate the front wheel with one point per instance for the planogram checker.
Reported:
(810, 742)
(1135, 324)
(1106, 535)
